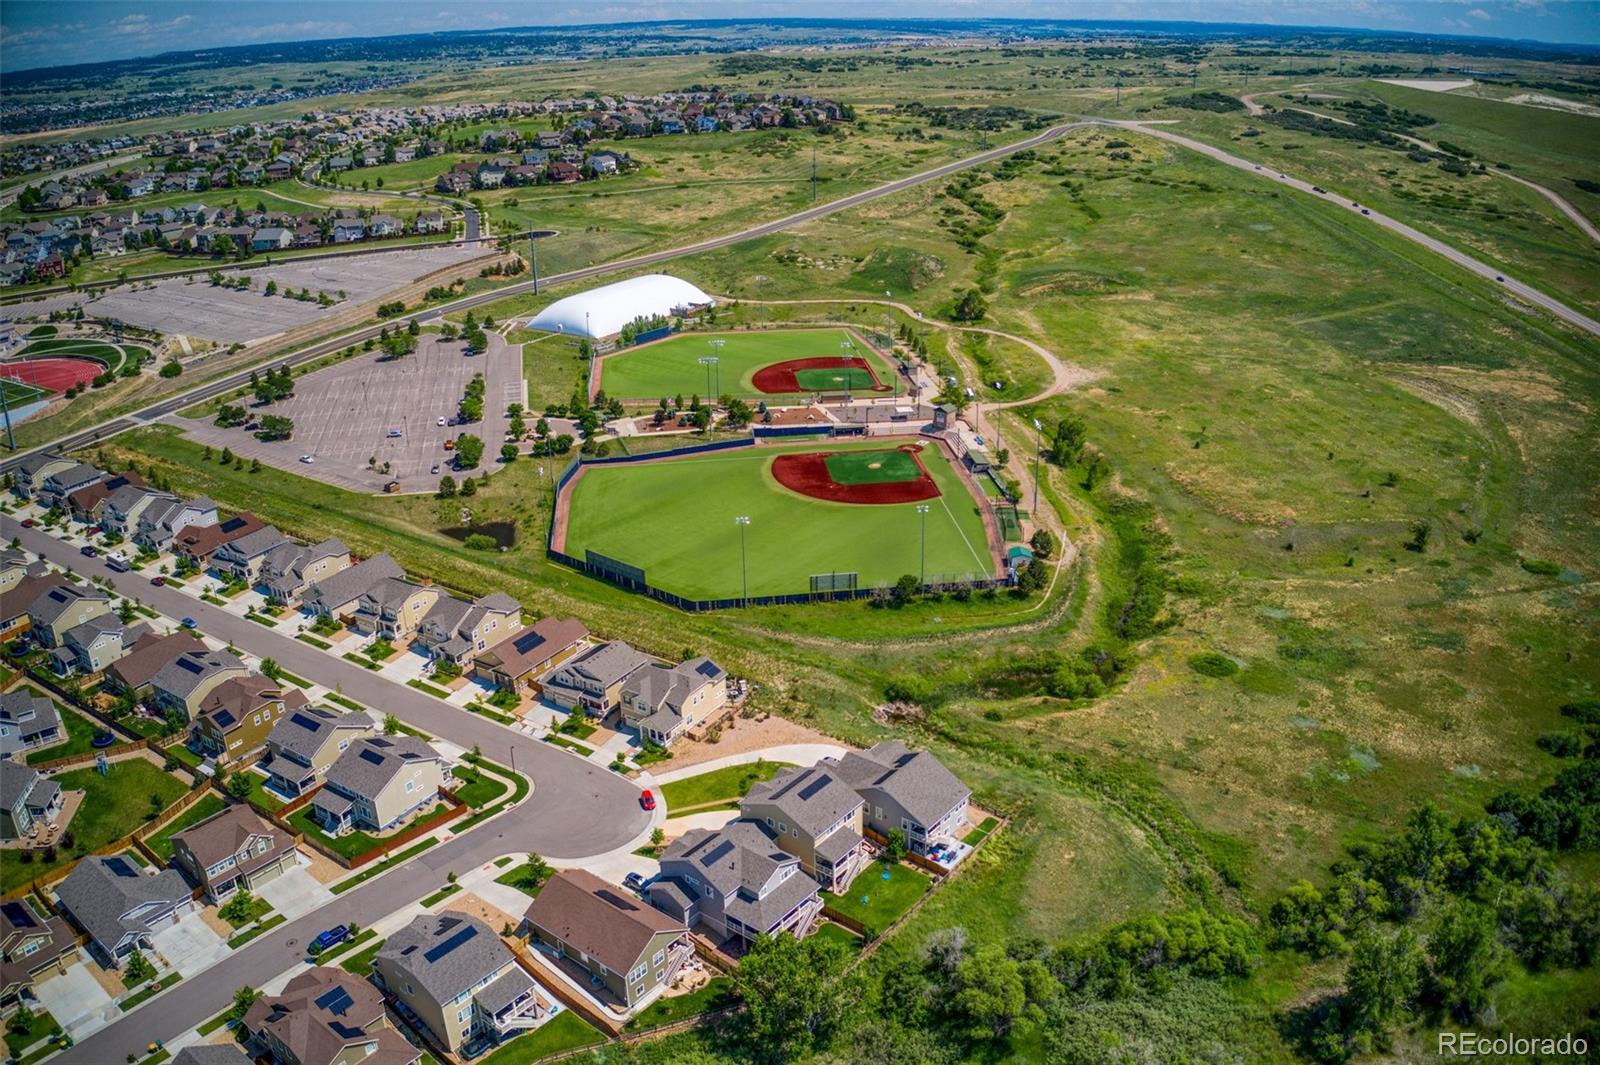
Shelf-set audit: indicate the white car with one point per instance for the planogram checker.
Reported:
(308, 459)
(440, 423)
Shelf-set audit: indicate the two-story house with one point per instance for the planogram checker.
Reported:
(161, 523)
(120, 906)
(663, 702)
(454, 973)
(28, 476)
(457, 631)
(593, 680)
(305, 742)
(232, 849)
(243, 557)
(737, 882)
(339, 596)
(632, 949)
(198, 543)
(121, 510)
(394, 608)
(33, 580)
(28, 801)
(136, 670)
(32, 945)
(60, 483)
(94, 645)
(87, 505)
(290, 568)
(63, 607)
(907, 790)
(184, 683)
(517, 661)
(378, 783)
(236, 717)
(814, 816)
(326, 1016)
(27, 721)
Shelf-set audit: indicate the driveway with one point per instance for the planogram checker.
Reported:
(294, 892)
(190, 946)
(76, 1000)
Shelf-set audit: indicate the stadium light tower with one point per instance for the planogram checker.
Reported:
(922, 567)
(743, 521)
(708, 361)
(716, 360)
(847, 348)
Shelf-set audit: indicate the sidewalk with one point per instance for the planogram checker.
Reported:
(799, 753)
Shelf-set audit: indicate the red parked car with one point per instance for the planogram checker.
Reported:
(647, 800)
(26, 523)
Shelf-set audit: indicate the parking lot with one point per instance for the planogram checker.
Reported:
(343, 416)
(196, 308)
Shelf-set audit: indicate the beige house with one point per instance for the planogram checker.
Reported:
(290, 568)
(305, 742)
(62, 607)
(186, 681)
(515, 662)
(593, 680)
(378, 783)
(632, 948)
(457, 631)
(394, 608)
(662, 702)
(232, 849)
(816, 817)
(460, 979)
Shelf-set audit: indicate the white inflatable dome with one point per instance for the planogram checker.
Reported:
(603, 311)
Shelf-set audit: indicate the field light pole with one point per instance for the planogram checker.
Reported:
(743, 521)
(922, 567)
(716, 359)
(848, 347)
(708, 361)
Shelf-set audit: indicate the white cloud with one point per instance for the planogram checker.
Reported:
(1480, 14)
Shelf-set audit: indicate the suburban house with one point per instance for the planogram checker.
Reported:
(516, 661)
(326, 1016)
(456, 630)
(19, 598)
(814, 816)
(63, 607)
(198, 543)
(236, 717)
(214, 1054)
(16, 567)
(27, 721)
(60, 483)
(135, 671)
(271, 238)
(378, 783)
(429, 222)
(122, 509)
(30, 473)
(338, 597)
(290, 567)
(119, 906)
(243, 557)
(593, 680)
(303, 743)
(630, 948)
(87, 504)
(456, 975)
(31, 945)
(346, 230)
(663, 702)
(232, 849)
(27, 801)
(394, 607)
(94, 645)
(183, 683)
(907, 790)
(737, 882)
(159, 525)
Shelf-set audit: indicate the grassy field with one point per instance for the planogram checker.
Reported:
(675, 519)
(80, 738)
(729, 782)
(671, 367)
(876, 900)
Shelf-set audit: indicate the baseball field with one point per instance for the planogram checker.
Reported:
(771, 365)
(675, 519)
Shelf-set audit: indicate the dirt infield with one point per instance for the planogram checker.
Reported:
(782, 378)
(807, 473)
(57, 375)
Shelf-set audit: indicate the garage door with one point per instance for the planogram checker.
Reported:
(262, 876)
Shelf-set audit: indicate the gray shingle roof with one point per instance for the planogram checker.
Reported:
(16, 781)
(372, 761)
(446, 953)
(258, 542)
(59, 599)
(100, 891)
(305, 731)
(24, 715)
(212, 1054)
(605, 665)
(507, 988)
(812, 798)
(916, 780)
(737, 857)
(185, 673)
(85, 634)
(351, 584)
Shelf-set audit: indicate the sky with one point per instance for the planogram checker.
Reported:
(37, 33)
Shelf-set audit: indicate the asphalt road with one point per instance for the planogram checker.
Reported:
(1525, 292)
(90, 436)
(576, 808)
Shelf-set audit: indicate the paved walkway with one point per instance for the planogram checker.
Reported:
(797, 753)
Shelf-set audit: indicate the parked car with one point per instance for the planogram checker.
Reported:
(393, 434)
(88, 550)
(435, 468)
(331, 938)
(633, 882)
(189, 623)
(308, 459)
(158, 581)
(440, 423)
(27, 523)
(647, 800)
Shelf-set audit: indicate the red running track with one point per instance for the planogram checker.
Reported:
(807, 473)
(779, 378)
(57, 375)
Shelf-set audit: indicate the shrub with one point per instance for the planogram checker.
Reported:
(1541, 567)
(1212, 664)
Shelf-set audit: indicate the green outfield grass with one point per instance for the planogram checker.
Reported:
(671, 367)
(675, 519)
(889, 466)
(825, 380)
(18, 393)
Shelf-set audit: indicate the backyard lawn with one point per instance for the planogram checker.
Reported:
(350, 844)
(161, 842)
(260, 797)
(840, 934)
(80, 738)
(565, 1031)
(719, 785)
(476, 788)
(113, 806)
(876, 902)
(715, 995)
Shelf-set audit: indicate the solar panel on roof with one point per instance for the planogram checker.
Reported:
(305, 722)
(720, 851)
(232, 524)
(371, 756)
(346, 1031)
(815, 786)
(224, 718)
(190, 664)
(120, 867)
(379, 741)
(707, 669)
(335, 1000)
(18, 915)
(527, 642)
(434, 953)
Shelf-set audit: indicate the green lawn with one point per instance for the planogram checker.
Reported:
(565, 1031)
(440, 895)
(261, 929)
(366, 935)
(260, 797)
(981, 833)
(161, 842)
(239, 916)
(80, 735)
(675, 520)
(718, 785)
(148, 992)
(885, 899)
(18, 394)
(889, 466)
(113, 806)
(523, 880)
(672, 366)
(840, 934)
(476, 788)
(714, 995)
(382, 865)
(350, 844)
(20, 1038)
(360, 962)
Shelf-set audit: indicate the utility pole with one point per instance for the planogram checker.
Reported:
(5, 408)
(813, 173)
(848, 347)
(1119, 92)
(743, 521)
(533, 258)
